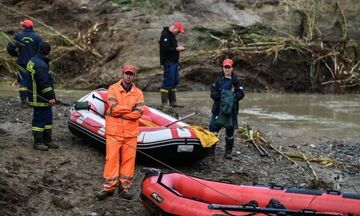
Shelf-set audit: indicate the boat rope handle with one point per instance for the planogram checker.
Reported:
(312, 200)
(268, 211)
(95, 126)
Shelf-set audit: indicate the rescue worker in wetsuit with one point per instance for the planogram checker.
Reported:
(122, 128)
(41, 98)
(227, 81)
(169, 59)
(24, 47)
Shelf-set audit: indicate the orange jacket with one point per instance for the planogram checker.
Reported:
(125, 108)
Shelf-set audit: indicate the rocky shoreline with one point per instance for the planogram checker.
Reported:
(63, 181)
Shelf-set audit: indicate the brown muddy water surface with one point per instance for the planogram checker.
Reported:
(332, 116)
(316, 115)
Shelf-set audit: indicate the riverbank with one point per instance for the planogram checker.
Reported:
(63, 181)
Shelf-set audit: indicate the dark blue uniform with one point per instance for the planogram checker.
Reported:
(25, 47)
(169, 59)
(41, 89)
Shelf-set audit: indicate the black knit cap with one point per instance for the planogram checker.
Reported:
(44, 48)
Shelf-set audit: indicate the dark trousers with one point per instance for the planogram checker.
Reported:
(170, 76)
(42, 119)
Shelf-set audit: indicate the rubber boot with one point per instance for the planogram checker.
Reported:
(126, 194)
(228, 148)
(39, 141)
(172, 99)
(164, 99)
(101, 195)
(48, 140)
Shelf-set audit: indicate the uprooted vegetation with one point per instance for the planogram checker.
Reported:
(278, 60)
(288, 63)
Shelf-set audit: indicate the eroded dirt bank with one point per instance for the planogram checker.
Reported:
(270, 41)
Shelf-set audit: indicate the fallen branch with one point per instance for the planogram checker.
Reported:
(257, 147)
(264, 150)
(51, 28)
(287, 157)
(308, 163)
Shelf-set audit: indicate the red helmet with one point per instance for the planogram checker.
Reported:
(27, 23)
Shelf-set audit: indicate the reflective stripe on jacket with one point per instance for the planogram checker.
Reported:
(41, 84)
(26, 45)
(121, 116)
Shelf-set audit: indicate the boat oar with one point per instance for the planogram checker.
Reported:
(251, 208)
(84, 105)
(100, 99)
(58, 102)
(180, 119)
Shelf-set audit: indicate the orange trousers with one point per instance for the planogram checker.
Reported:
(120, 162)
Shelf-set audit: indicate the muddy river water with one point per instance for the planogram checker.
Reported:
(332, 116)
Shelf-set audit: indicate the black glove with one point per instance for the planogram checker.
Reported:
(134, 108)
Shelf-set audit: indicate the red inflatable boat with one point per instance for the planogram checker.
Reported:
(161, 135)
(177, 194)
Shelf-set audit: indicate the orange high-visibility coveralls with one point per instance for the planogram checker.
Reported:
(122, 129)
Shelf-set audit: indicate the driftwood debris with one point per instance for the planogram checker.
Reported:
(284, 155)
(309, 165)
(52, 29)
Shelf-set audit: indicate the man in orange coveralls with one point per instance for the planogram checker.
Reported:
(122, 128)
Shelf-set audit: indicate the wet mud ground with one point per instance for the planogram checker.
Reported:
(64, 181)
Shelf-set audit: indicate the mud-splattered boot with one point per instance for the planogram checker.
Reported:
(126, 194)
(48, 140)
(101, 195)
(172, 99)
(39, 141)
(164, 99)
(228, 148)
